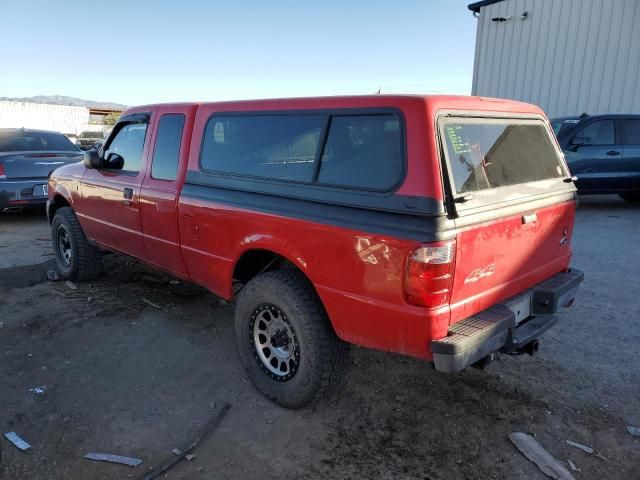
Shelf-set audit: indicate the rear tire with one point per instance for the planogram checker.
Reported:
(631, 197)
(76, 259)
(285, 340)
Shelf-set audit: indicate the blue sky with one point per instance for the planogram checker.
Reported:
(142, 51)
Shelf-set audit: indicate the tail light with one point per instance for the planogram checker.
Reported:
(2, 174)
(428, 278)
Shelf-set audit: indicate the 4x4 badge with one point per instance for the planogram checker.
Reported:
(479, 273)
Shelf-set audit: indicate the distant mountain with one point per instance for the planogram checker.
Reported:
(62, 100)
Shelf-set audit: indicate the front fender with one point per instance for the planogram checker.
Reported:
(59, 194)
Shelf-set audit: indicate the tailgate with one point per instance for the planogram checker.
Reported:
(500, 258)
(515, 208)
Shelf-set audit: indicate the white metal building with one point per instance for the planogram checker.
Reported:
(568, 56)
(61, 118)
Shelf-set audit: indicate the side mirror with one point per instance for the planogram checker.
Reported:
(115, 162)
(575, 145)
(92, 159)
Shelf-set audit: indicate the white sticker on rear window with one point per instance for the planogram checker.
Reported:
(455, 140)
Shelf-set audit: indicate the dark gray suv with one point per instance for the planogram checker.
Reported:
(603, 151)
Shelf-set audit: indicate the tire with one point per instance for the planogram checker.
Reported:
(279, 316)
(631, 197)
(76, 259)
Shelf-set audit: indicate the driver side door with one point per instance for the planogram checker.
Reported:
(110, 206)
(594, 154)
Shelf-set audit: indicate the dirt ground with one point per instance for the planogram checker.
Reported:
(122, 376)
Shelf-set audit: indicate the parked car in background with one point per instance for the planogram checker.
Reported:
(89, 139)
(27, 157)
(437, 227)
(603, 151)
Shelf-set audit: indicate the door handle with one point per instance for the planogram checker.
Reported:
(127, 193)
(613, 152)
(528, 218)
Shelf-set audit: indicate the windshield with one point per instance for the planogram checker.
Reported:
(492, 153)
(556, 126)
(26, 141)
(562, 126)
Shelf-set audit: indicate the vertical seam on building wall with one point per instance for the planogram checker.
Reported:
(476, 57)
(581, 77)
(518, 72)
(616, 45)
(625, 65)
(631, 37)
(604, 65)
(563, 86)
(489, 52)
(556, 53)
(526, 58)
(506, 57)
(600, 53)
(504, 65)
(485, 63)
(637, 83)
(594, 64)
(507, 67)
(568, 65)
(499, 64)
(527, 83)
(536, 99)
(500, 39)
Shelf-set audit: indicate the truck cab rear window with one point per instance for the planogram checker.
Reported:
(360, 151)
(491, 153)
(272, 146)
(167, 149)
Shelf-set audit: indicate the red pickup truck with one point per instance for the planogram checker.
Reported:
(433, 226)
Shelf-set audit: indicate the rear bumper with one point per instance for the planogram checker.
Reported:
(20, 193)
(496, 328)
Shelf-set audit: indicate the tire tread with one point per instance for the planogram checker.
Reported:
(330, 347)
(87, 263)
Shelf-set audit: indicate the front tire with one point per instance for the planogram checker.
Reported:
(285, 340)
(76, 259)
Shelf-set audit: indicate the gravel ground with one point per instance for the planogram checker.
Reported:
(25, 239)
(121, 376)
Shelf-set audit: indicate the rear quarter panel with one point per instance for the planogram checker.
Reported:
(358, 275)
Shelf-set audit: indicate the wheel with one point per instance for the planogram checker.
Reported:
(285, 340)
(630, 197)
(76, 259)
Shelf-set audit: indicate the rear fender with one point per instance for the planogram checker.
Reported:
(279, 246)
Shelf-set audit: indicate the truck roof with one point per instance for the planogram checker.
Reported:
(431, 102)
